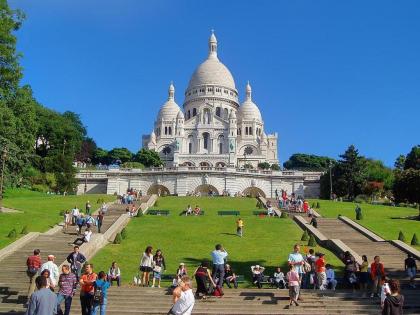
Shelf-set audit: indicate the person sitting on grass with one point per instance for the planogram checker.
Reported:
(257, 275)
(197, 210)
(84, 239)
(278, 279)
(330, 273)
(230, 277)
(189, 210)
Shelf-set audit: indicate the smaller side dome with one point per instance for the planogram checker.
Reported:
(249, 110)
(180, 115)
(170, 109)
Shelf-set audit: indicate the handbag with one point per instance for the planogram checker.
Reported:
(157, 269)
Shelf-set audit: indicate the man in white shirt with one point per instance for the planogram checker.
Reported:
(75, 212)
(183, 298)
(52, 268)
(218, 257)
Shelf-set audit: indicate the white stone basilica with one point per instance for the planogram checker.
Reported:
(213, 130)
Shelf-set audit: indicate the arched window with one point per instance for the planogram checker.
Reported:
(189, 115)
(206, 116)
(190, 144)
(194, 112)
(166, 130)
(170, 130)
(250, 131)
(221, 141)
(218, 111)
(226, 113)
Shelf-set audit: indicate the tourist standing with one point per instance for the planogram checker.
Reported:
(202, 277)
(88, 207)
(146, 265)
(67, 219)
(43, 301)
(183, 298)
(293, 279)
(239, 227)
(33, 264)
(411, 269)
(158, 266)
(87, 289)
(67, 286)
(52, 268)
(101, 286)
(350, 268)
(364, 274)
(114, 274)
(309, 278)
(377, 273)
(76, 260)
(99, 220)
(320, 272)
(218, 257)
(75, 213)
(296, 259)
(394, 302)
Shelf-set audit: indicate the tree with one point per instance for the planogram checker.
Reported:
(400, 162)
(301, 161)
(413, 159)
(120, 154)
(100, 156)
(87, 150)
(407, 186)
(149, 158)
(275, 167)
(264, 165)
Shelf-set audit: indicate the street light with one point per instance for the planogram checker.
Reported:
(3, 159)
(331, 188)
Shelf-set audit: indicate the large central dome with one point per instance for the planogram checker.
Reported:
(212, 71)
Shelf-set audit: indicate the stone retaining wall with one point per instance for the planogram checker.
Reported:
(366, 232)
(18, 244)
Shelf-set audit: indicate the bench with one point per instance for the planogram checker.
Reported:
(259, 212)
(158, 212)
(228, 212)
(240, 278)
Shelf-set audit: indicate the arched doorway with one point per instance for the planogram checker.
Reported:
(253, 192)
(206, 190)
(159, 190)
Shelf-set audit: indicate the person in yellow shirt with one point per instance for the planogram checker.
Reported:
(239, 227)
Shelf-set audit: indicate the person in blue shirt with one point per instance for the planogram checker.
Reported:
(101, 284)
(218, 256)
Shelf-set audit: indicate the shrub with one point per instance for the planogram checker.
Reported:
(401, 236)
(305, 236)
(40, 188)
(414, 240)
(62, 212)
(312, 241)
(139, 213)
(313, 206)
(284, 215)
(259, 205)
(124, 233)
(100, 201)
(12, 234)
(156, 204)
(318, 206)
(118, 239)
(24, 230)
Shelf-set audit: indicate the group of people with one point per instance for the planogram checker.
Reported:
(48, 288)
(292, 202)
(151, 264)
(191, 211)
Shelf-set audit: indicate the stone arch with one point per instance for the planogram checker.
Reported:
(205, 164)
(188, 163)
(220, 164)
(158, 189)
(206, 189)
(254, 192)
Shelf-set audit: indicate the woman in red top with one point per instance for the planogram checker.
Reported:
(377, 273)
(320, 272)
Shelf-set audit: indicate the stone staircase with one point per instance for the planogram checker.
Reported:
(13, 279)
(142, 301)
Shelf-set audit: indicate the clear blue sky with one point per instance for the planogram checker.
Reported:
(325, 74)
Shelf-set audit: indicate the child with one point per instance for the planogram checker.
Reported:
(293, 279)
(278, 278)
(182, 271)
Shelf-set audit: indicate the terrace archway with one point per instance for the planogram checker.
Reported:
(206, 190)
(253, 192)
(159, 190)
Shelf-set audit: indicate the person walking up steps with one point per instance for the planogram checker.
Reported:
(239, 227)
(87, 289)
(33, 264)
(294, 282)
(377, 273)
(100, 296)
(76, 260)
(296, 259)
(52, 268)
(67, 287)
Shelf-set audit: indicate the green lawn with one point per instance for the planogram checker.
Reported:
(40, 211)
(376, 218)
(266, 241)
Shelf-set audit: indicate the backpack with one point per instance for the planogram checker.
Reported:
(98, 295)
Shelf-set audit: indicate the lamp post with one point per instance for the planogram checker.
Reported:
(331, 188)
(3, 159)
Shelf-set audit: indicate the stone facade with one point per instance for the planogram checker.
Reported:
(184, 181)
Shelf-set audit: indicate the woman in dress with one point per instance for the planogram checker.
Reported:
(202, 276)
(159, 266)
(146, 265)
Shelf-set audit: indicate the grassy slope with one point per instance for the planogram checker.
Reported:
(40, 211)
(266, 241)
(375, 217)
